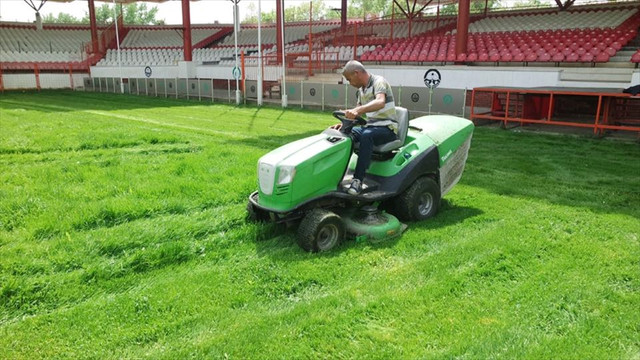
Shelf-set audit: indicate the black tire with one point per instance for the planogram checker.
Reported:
(254, 215)
(320, 230)
(419, 202)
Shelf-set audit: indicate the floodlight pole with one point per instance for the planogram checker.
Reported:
(283, 91)
(115, 20)
(235, 34)
(259, 53)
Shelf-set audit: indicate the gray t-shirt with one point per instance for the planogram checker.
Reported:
(385, 116)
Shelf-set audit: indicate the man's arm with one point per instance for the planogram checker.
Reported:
(373, 105)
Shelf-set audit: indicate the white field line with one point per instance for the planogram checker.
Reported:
(207, 131)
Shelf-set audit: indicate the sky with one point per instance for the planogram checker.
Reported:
(202, 12)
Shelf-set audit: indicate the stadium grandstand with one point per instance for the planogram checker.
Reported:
(586, 50)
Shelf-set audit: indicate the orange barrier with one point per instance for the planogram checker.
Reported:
(609, 108)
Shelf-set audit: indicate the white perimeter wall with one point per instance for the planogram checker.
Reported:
(271, 73)
(461, 77)
(47, 81)
(453, 77)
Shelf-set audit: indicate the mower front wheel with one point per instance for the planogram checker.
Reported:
(255, 215)
(320, 230)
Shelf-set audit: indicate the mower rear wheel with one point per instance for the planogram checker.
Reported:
(320, 230)
(419, 202)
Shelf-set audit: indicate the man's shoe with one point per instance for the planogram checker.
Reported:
(356, 187)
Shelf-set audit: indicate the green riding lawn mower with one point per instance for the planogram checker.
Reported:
(306, 180)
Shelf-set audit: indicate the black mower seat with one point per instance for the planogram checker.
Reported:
(402, 117)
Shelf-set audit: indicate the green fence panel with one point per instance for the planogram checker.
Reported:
(334, 95)
(251, 89)
(312, 93)
(294, 91)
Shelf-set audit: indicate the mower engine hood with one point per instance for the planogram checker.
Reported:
(302, 169)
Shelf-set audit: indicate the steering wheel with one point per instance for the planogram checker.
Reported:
(348, 124)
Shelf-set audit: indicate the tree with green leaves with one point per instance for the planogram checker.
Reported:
(476, 7)
(356, 9)
(528, 4)
(134, 14)
(62, 18)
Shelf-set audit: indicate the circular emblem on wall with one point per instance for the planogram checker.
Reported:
(447, 99)
(415, 97)
(147, 71)
(312, 92)
(432, 78)
(292, 90)
(335, 93)
(253, 88)
(236, 72)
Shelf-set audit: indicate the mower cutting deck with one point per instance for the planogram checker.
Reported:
(307, 179)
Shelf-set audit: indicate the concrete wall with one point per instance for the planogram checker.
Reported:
(47, 81)
(461, 77)
(453, 77)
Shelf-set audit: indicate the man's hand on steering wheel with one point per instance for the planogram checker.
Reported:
(351, 114)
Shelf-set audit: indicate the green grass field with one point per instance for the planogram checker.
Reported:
(123, 235)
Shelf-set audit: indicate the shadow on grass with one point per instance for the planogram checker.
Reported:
(279, 241)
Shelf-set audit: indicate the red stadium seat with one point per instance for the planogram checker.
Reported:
(573, 57)
(602, 57)
(544, 57)
(531, 56)
(587, 57)
(558, 57)
(472, 57)
(611, 51)
(636, 57)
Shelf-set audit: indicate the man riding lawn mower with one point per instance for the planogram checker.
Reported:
(323, 181)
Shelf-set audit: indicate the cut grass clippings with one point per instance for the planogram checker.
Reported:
(123, 235)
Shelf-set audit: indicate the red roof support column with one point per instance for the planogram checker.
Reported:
(343, 14)
(94, 27)
(186, 26)
(279, 20)
(463, 26)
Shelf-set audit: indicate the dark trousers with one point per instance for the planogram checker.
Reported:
(368, 137)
